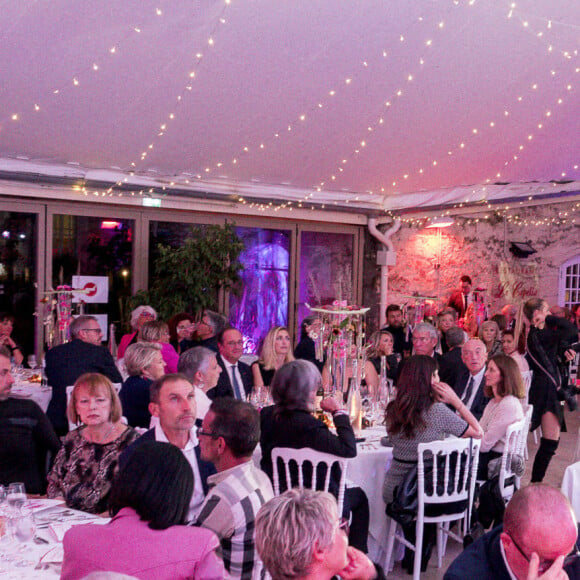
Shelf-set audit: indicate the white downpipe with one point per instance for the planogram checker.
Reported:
(390, 259)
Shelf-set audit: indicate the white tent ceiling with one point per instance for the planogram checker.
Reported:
(355, 102)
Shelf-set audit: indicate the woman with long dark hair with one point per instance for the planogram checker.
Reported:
(420, 414)
(505, 387)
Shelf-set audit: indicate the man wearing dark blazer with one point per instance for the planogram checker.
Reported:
(231, 348)
(173, 403)
(67, 362)
(461, 298)
(469, 385)
(538, 520)
(450, 365)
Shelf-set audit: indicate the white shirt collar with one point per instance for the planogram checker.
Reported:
(191, 443)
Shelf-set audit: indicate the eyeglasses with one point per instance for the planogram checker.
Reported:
(235, 343)
(200, 431)
(93, 330)
(344, 525)
(545, 564)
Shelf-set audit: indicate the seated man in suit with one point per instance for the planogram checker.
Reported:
(65, 363)
(425, 339)
(469, 385)
(236, 379)
(397, 327)
(199, 365)
(451, 365)
(173, 402)
(538, 540)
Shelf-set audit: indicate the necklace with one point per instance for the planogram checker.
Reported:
(104, 438)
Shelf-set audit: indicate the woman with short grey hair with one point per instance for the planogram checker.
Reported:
(290, 423)
(299, 535)
(139, 317)
(144, 364)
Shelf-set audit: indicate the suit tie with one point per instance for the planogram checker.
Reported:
(469, 391)
(235, 383)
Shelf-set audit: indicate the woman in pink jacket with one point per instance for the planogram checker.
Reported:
(146, 537)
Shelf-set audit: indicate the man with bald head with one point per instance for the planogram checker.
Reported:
(469, 385)
(537, 541)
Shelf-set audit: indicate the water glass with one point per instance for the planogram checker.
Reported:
(24, 525)
(16, 495)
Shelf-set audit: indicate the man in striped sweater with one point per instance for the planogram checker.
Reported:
(229, 434)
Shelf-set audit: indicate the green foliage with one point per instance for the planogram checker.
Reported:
(188, 278)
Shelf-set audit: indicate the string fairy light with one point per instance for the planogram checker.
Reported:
(171, 116)
(492, 124)
(330, 95)
(386, 107)
(75, 79)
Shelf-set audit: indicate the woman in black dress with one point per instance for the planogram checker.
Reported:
(546, 342)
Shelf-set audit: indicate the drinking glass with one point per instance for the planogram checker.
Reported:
(23, 525)
(32, 361)
(16, 496)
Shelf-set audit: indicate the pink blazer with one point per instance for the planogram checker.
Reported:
(128, 546)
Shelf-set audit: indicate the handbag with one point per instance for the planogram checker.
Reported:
(403, 508)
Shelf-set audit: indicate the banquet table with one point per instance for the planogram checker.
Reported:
(42, 557)
(571, 486)
(23, 388)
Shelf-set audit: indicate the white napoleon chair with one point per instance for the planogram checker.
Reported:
(445, 494)
(523, 451)
(306, 456)
(509, 479)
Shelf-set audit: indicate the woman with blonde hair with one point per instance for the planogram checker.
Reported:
(490, 335)
(85, 465)
(144, 365)
(276, 351)
(382, 344)
(157, 332)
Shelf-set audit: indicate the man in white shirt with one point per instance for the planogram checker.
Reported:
(173, 403)
(236, 379)
(469, 386)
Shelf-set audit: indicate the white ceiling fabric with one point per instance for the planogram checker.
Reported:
(372, 104)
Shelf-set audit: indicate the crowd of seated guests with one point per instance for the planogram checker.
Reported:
(479, 394)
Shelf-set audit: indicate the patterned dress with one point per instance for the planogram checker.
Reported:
(83, 471)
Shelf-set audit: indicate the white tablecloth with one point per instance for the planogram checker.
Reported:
(33, 391)
(19, 560)
(571, 486)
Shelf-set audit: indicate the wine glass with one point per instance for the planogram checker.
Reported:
(16, 495)
(32, 361)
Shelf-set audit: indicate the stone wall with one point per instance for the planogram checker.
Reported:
(430, 261)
